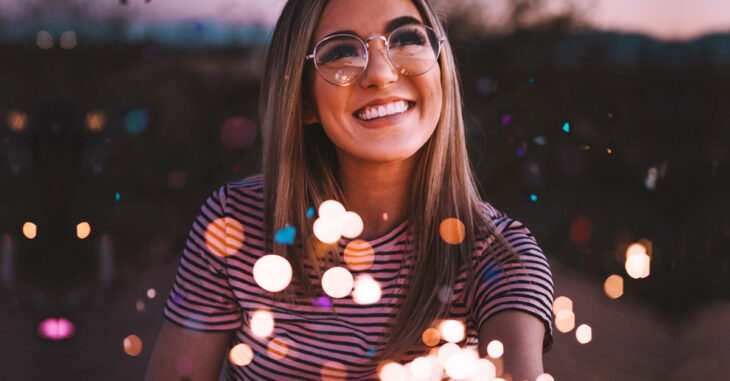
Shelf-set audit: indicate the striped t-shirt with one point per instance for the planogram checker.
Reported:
(219, 293)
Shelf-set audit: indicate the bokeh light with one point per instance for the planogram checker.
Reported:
(420, 367)
(136, 121)
(545, 377)
(30, 230)
(56, 329)
(151, 293)
(285, 235)
(17, 120)
(272, 272)
(614, 286)
(495, 349)
(132, 345)
(431, 337)
(176, 179)
(241, 354)
(446, 351)
(262, 323)
(584, 334)
(68, 40)
(562, 303)
(484, 370)
(452, 331)
(139, 305)
(278, 348)
(393, 371)
(238, 132)
(460, 365)
(638, 261)
(327, 229)
(333, 371)
(83, 229)
(337, 282)
(359, 255)
(331, 209)
(581, 230)
(95, 120)
(565, 321)
(366, 290)
(452, 231)
(44, 40)
(224, 236)
(351, 225)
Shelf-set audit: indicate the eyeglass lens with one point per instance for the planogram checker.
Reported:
(412, 49)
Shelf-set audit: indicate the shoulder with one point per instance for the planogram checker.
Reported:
(240, 194)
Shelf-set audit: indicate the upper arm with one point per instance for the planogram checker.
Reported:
(204, 351)
(521, 334)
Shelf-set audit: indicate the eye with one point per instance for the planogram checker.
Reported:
(336, 50)
(414, 36)
(83, 229)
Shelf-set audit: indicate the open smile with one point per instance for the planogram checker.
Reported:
(382, 111)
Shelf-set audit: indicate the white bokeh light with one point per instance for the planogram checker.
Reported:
(272, 272)
(366, 291)
(262, 323)
(452, 331)
(337, 282)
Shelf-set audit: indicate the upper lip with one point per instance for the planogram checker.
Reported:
(381, 101)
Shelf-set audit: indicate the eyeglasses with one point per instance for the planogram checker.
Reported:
(412, 49)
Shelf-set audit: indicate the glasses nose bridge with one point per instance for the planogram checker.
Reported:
(378, 37)
(385, 51)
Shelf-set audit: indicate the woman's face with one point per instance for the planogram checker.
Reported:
(340, 108)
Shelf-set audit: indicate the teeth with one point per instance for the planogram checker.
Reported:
(380, 111)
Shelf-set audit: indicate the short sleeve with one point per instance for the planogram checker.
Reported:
(503, 283)
(201, 297)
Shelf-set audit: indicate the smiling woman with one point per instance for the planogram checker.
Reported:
(360, 104)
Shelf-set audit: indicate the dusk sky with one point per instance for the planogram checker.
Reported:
(666, 19)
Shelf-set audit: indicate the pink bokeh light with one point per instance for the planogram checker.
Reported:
(56, 329)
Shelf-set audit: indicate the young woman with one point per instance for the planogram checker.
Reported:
(360, 103)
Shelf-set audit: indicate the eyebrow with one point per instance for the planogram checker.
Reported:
(389, 27)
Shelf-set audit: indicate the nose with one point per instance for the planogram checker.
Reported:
(379, 71)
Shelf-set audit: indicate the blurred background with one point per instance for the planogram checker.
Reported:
(603, 125)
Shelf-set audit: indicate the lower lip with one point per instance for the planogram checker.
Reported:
(386, 121)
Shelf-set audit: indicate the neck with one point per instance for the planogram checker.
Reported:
(378, 192)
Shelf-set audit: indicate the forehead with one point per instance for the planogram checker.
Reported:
(364, 17)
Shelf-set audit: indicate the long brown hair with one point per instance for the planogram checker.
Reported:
(300, 167)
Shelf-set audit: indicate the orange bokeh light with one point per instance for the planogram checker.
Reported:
(333, 371)
(431, 337)
(83, 229)
(565, 321)
(359, 255)
(614, 286)
(17, 121)
(277, 348)
(452, 231)
(224, 236)
(241, 354)
(95, 120)
(132, 345)
(562, 303)
(30, 230)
